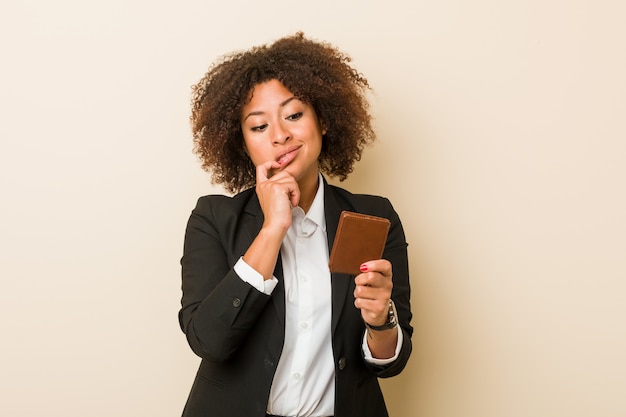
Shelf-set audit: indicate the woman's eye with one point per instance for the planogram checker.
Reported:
(294, 116)
(259, 128)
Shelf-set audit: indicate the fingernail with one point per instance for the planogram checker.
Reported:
(363, 267)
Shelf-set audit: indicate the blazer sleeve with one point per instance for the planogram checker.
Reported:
(218, 308)
(396, 253)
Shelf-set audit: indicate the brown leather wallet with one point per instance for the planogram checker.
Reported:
(360, 238)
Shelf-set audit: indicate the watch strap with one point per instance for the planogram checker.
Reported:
(392, 319)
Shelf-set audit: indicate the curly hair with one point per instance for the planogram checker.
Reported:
(315, 72)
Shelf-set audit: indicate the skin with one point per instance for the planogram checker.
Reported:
(283, 138)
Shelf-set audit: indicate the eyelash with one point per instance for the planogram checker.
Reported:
(258, 128)
(295, 116)
(291, 117)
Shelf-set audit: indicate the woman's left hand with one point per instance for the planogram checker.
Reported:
(373, 291)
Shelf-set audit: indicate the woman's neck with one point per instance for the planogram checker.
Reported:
(308, 191)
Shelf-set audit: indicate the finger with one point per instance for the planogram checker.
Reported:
(373, 311)
(373, 307)
(294, 195)
(290, 186)
(382, 266)
(263, 171)
(280, 186)
(370, 292)
(373, 279)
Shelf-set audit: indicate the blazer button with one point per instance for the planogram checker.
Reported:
(342, 363)
(236, 302)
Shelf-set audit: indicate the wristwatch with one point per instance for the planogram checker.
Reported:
(392, 319)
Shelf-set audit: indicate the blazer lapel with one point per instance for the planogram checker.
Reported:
(340, 283)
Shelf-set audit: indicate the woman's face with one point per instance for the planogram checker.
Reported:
(278, 127)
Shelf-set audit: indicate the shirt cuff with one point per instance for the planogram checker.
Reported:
(252, 277)
(374, 361)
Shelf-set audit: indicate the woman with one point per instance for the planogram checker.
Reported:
(279, 334)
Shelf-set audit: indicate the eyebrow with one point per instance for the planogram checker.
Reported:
(257, 113)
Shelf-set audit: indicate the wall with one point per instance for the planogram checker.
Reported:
(502, 145)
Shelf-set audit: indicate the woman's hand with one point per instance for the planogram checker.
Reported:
(278, 193)
(373, 291)
(371, 296)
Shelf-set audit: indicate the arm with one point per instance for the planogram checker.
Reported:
(276, 196)
(218, 308)
(384, 279)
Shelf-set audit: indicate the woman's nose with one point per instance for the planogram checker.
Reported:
(281, 135)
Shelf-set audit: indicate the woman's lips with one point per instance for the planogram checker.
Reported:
(287, 157)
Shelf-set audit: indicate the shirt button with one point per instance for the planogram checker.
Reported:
(296, 376)
(236, 302)
(304, 325)
(342, 363)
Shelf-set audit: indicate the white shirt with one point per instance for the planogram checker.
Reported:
(304, 382)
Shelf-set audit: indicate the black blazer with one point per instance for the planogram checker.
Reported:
(239, 332)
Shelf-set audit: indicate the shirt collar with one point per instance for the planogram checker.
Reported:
(316, 212)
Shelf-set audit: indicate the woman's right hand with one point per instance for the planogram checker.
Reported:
(278, 193)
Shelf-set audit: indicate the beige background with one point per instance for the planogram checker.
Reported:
(502, 145)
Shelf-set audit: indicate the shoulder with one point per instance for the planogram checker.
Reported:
(361, 203)
(218, 205)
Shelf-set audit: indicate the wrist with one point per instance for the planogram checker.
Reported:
(272, 235)
(390, 323)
